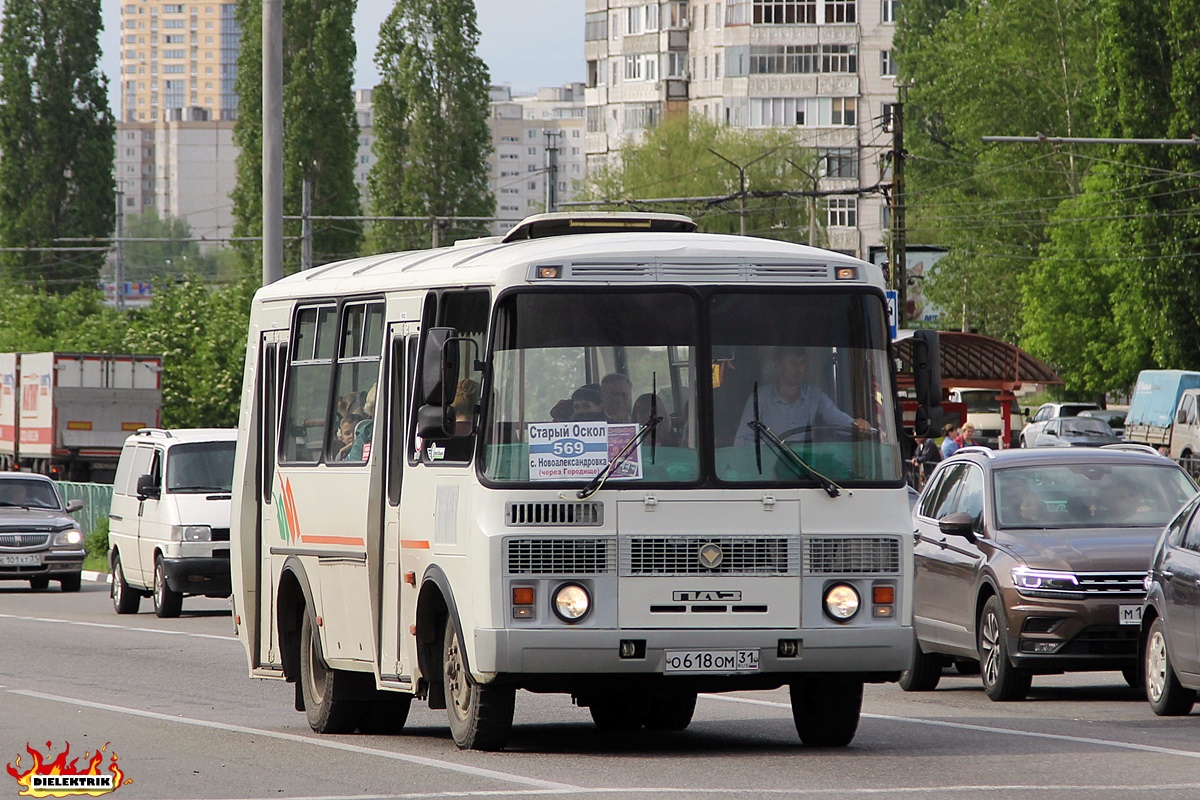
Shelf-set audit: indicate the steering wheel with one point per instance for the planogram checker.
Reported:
(822, 433)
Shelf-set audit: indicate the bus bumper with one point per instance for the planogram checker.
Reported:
(593, 652)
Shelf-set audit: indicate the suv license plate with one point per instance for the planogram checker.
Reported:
(33, 560)
(683, 661)
(1130, 615)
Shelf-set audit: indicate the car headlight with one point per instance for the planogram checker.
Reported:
(67, 538)
(842, 602)
(191, 533)
(1037, 581)
(571, 602)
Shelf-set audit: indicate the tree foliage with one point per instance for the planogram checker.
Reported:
(56, 136)
(320, 135)
(690, 157)
(431, 133)
(175, 252)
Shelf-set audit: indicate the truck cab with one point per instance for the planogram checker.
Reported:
(1185, 432)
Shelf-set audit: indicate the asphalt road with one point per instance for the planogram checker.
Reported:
(171, 699)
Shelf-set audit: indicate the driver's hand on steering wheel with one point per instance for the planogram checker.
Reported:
(862, 427)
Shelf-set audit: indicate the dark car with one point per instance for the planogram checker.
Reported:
(39, 541)
(1078, 431)
(1033, 561)
(1170, 640)
(1115, 419)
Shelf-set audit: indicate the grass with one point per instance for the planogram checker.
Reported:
(95, 563)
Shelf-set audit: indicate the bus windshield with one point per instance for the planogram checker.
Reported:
(579, 374)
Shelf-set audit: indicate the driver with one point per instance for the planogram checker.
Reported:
(792, 404)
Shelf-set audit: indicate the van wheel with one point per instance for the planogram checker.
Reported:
(124, 599)
(670, 711)
(39, 583)
(481, 714)
(620, 712)
(166, 602)
(1167, 696)
(71, 583)
(332, 697)
(826, 709)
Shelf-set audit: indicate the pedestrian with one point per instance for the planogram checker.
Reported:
(967, 436)
(950, 443)
(927, 457)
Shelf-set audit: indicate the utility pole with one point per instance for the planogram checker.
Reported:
(551, 171)
(811, 200)
(899, 255)
(119, 267)
(272, 140)
(306, 231)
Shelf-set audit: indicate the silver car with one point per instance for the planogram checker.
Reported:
(39, 541)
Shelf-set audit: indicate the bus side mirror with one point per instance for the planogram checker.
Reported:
(927, 379)
(435, 422)
(439, 367)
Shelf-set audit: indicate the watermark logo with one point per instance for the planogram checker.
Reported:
(58, 777)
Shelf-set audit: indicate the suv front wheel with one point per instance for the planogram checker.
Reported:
(1001, 680)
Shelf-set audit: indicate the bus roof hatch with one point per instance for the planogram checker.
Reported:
(540, 226)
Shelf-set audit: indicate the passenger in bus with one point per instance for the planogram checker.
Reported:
(616, 396)
(664, 433)
(364, 429)
(587, 403)
(792, 407)
(345, 435)
(465, 399)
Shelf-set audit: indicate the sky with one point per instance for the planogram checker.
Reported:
(525, 55)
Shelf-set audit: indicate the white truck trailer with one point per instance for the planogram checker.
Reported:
(66, 415)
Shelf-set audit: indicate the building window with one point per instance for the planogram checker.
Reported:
(844, 110)
(717, 66)
(885, 117)
(677, 14)
(771, 112)
(841, 212)
(676, 64)
(838, 162)
(595, 26)
(784, 12)
(887, 66)
(889, 8)
(633, 68)
(651, 67)
(840, 10)
(652, 17)
(633, 20)
(839, 58)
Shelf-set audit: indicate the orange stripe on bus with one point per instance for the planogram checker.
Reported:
(346, 540)
(415, 544)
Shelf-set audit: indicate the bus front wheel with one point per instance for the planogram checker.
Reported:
(826, 709)
(481, 714)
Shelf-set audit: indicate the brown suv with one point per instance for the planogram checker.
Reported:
(1031, 562)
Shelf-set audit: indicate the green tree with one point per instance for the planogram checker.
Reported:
(174, 252)
(320, 126)
(38, 320)
(689, 156)
(56, 136)
(966, 60)
(431, 134)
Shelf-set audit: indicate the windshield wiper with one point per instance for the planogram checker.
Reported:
(593, 486)
(831, 488)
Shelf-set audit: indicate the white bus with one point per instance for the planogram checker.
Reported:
(578, 459)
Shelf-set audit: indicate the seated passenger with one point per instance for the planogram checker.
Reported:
(616, 394)
(793, 406)
(587, 404)
(663, 431)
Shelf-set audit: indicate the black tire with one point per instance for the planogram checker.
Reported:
(385, 712)
(619, 712)
(39, 583)
(71, 583)
(967, 666)
(125, 600)
(826, 709)
(332, 697)
(924, 671)
(481, 714)
(1132, 677)
(1167, 696)
(670, 711)
(1001, 680)
(166, 602)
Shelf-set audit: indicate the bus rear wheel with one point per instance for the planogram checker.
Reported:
(481, 714)
(332, 697)
(826, 708)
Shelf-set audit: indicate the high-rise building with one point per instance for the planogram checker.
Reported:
(822, 68)
(532, 135)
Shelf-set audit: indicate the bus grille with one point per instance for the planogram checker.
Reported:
(680, 555)
(553, 514)
(851, 555)
(559, 556)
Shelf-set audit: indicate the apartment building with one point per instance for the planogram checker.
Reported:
(822, 68)
(527, 130)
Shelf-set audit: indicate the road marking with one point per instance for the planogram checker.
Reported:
(120, 627)
(1061, 737)
(450, 766)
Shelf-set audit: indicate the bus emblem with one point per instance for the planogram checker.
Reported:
(711, 555)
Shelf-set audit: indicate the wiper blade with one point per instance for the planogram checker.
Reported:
(831, 488)
(593, 486)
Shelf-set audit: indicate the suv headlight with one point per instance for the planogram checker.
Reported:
(1044, 582)
(191, 533)
(68, 538)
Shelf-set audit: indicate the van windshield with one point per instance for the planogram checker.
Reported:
(200, 467)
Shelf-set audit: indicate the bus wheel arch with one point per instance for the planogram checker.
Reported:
(292, 601)
(435, 604)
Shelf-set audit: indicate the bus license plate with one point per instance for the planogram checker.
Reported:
(680, 661)
(20, 561)
(1130, 615)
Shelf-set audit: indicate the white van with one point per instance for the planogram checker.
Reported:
(168, 530)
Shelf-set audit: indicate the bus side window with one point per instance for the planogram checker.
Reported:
(467, 313)
(308, 382)
(352, 415)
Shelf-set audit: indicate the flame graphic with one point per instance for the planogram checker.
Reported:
(60, 766)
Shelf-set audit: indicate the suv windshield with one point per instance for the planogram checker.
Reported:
(576, 375)
(1090, 495)
(29, 494)
(200, 467)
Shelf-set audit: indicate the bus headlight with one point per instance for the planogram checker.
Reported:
(841, 602)
(571, 602)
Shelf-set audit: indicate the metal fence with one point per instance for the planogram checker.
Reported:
(96, 497)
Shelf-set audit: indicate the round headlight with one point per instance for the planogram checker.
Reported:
(571, 602)
(841, 602)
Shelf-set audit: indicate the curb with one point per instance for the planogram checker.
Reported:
(97, 577)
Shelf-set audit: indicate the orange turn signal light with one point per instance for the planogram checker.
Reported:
(522, 595)
(883, 595)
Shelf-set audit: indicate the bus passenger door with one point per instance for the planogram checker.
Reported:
(270, 387)
(397, 608)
